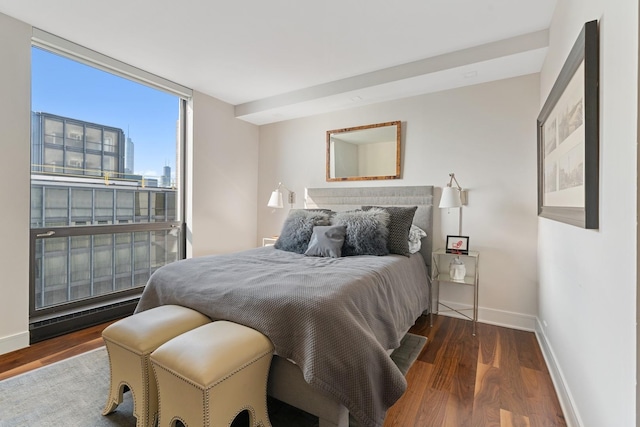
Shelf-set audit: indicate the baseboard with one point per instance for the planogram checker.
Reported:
(491, 316)
(564, 396)
(14, 342)
(51, 328)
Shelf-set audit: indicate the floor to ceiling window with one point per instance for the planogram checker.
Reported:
(106, 187)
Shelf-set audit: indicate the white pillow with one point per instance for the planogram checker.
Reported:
(415, 235)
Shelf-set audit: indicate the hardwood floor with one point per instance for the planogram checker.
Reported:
(51, 351)
(497, 378)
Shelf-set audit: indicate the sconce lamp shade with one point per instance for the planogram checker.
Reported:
(453, 197)
(275, 201)
(450, 198)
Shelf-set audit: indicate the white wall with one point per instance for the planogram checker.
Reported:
(588, 278)
(486, 134)
(222, 154)
(15, 103)
(224, 177)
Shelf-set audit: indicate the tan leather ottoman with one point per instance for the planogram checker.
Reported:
(207, 376)
(129, 343)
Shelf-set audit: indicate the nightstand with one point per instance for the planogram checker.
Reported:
(440, 274)
(269, 241)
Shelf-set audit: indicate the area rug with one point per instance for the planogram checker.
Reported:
(72, 393)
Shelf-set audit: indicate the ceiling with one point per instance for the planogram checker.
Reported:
(280, 59)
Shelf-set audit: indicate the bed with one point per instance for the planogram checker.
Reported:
(332, 320)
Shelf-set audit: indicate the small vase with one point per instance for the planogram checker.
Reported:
(457, 270)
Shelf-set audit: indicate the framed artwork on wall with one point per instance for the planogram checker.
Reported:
(568, 138)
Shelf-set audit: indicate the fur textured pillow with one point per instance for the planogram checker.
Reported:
(298, 228)
(367, 231)
(400, 220)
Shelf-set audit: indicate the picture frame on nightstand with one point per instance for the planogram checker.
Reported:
(457, 245)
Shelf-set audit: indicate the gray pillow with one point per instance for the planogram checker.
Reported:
(298, 228)
(400, 220)
(326, 241)
(367, 231)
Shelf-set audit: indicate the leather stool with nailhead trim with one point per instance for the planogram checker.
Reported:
(209, 375)
(129, 343)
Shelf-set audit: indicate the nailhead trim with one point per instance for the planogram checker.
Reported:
(174, 419)
(145, 362)
(121, 345)
(205, 390)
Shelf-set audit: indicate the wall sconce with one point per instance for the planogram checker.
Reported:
(454, 197)
(275, 201)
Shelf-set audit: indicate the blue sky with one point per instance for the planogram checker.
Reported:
(148, 116)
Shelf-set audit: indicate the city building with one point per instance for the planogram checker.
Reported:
(79, 179)
(129, 156)
(166, 176)
(71, 147)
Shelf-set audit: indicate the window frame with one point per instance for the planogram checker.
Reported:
(56, 45)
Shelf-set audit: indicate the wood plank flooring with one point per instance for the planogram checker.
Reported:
(51, 351)
(497, 378)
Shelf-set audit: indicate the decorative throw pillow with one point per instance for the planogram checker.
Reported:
(298, 228)
(415, 238)
(367, 232)
(329, 211)
(326, 241)
(400, 220)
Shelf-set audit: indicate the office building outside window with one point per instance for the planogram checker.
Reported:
(72, 268)
(105, 212)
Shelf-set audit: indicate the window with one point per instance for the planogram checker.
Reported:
(81, 206)
(93, 138)
(53, 131)
(105, 188)
(110, 142)
(74, 136)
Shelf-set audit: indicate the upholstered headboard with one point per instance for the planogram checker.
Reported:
(342, 199)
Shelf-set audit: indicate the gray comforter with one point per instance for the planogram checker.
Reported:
(334, 317)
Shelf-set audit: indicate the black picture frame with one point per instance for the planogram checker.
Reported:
(568, 138)
(457, 245)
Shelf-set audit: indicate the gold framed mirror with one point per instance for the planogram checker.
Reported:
(366, 152)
